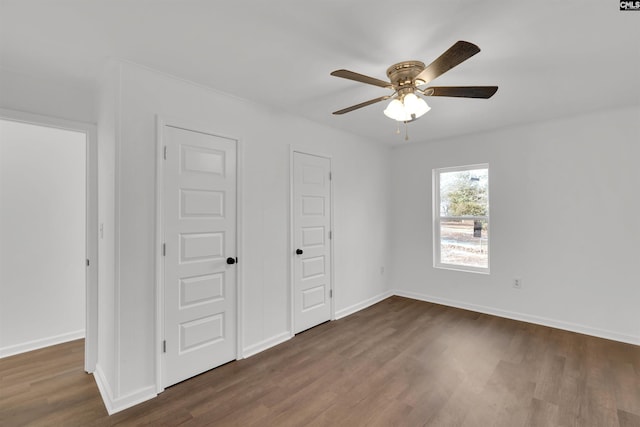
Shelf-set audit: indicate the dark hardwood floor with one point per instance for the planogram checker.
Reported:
(400, 362)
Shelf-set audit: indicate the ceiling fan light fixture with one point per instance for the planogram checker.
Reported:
(414, 105)
(406, 79)
(421, 107)
(395, 110)
(409, 108)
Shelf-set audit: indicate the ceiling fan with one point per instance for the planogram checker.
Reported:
(405, 79)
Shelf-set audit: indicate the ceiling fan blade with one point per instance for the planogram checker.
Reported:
(455, 55)
(484, 92)
(363, 104)
(346, 74)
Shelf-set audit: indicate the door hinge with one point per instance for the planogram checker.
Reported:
(330, 176)
(87, 262)
(164, 249)
(330, 235)
(330, 293)
(164, 154)
(164, 346)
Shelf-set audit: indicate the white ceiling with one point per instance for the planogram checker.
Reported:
(550, 58)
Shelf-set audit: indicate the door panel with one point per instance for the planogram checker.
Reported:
(200, 233)
(312, 225)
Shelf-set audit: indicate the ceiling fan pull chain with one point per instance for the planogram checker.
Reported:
(406, 131)
(397, 128)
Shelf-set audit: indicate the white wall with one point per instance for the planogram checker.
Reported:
(129, 104)
(42, 236)
(564, 205)
(107, 119)
(54, 97)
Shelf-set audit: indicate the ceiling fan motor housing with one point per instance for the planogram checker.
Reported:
(403, 76)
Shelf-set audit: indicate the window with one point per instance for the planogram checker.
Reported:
(461, 218)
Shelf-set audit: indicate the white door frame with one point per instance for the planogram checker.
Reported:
(161, 122)
(292, 244)
(91, 227)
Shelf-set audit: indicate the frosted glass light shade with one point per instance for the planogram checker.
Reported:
(410, 108)
(395, 110)
(421, 107)
(411, 103)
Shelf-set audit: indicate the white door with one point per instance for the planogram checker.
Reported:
(312, 233)
(200, 246)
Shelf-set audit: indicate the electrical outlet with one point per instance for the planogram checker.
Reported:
(517, 283)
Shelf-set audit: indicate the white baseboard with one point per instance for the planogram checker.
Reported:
(103, 388)
(362, 305)
(266, 344)
(40, 343)
(120, 404)
(538, 320)
(133, 398)
(285, 336)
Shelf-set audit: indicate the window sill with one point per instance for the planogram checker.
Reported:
(464, 269)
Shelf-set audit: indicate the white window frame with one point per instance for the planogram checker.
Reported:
(437, 219)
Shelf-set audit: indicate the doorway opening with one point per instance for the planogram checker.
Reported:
(48, 243)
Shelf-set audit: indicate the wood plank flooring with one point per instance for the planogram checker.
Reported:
(400, 362)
